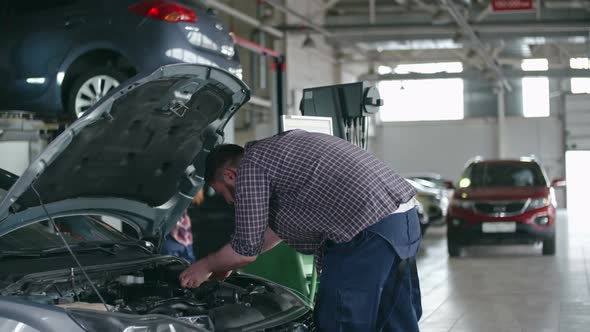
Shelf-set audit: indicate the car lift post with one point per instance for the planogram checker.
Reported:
(278, 67)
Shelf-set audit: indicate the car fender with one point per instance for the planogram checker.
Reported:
(41, 317)
(79, 51)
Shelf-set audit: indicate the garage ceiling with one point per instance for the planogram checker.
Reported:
(398, 31)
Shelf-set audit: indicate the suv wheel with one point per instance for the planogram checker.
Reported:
(549, 247)
(90, 87)
(453, 248)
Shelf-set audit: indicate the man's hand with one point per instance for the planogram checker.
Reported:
(195, 275)
(221, 263)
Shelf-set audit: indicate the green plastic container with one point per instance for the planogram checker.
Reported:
(289, 268)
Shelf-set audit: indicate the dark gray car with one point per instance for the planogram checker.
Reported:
(59, 57)
(137, 156)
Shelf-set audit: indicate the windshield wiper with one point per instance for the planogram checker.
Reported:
(111, 244)
(78, 247)
(15, 253)
(108, 247)
(51, 251)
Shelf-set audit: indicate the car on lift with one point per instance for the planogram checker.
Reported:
(57, 58)
(62, 268)
(502, 201)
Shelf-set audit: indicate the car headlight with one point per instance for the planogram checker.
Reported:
(95, 321)
(462, 204)
(538, 203)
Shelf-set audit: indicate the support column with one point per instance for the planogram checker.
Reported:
(278, 96)
(500, 93)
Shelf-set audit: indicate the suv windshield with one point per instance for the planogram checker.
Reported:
(514, 174)
(76, 229)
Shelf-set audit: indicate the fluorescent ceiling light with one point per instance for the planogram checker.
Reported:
(429, 68)
(36, 80)
(535, 64)
(437, 44)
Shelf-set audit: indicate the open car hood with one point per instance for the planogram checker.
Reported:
(139, 153)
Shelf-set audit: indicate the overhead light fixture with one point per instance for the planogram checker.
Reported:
(308, 42)
(471, 53)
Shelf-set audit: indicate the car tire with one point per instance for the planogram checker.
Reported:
(549, 247)
(89, 87)
(453, 248)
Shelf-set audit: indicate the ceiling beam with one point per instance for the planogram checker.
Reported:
(484, 13)
(305, 20)
(323, 9)
(243, 17)
(477, 74)
(364, 32)
(476, 43)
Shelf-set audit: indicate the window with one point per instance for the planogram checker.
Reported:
(580, 84)
(430, 68)
(523, 174)
(422, 100)
(580, 63)
(535, 90)
(535, 97)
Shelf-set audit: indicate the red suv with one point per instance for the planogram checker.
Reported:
(502, 201)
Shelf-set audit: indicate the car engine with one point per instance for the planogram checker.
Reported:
(215, 306)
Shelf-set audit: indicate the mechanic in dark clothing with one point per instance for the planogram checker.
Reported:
(323, 196)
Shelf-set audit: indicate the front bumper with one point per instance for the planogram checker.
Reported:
(466, 228)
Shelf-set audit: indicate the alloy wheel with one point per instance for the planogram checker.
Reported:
(92, 91)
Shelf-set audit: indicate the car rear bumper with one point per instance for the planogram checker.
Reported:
(467, 228)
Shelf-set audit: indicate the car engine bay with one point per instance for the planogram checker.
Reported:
(220, 306)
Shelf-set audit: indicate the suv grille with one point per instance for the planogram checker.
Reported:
(500, 208)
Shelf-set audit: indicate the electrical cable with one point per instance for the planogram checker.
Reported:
(363, 133)
(69, 249)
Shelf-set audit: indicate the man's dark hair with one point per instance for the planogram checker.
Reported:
(222, 156)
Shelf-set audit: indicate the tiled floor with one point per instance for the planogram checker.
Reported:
(509, 288)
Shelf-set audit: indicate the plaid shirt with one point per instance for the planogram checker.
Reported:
(309, 188)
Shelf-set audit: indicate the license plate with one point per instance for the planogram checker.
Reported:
(499, 227)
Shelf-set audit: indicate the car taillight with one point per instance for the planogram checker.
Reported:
(164, 10)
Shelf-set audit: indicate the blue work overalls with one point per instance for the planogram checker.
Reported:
(371, 283)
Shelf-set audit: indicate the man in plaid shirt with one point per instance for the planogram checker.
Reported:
(323, 196)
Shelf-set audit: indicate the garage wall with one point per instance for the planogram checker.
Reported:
(309, 67)
(445, 146)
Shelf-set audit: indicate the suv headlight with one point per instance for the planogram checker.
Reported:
(537, 203)
(462, 204)
(95, 321)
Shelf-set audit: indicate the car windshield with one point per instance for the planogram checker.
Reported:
(525, 174)
(429, 183)
(76, 229)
